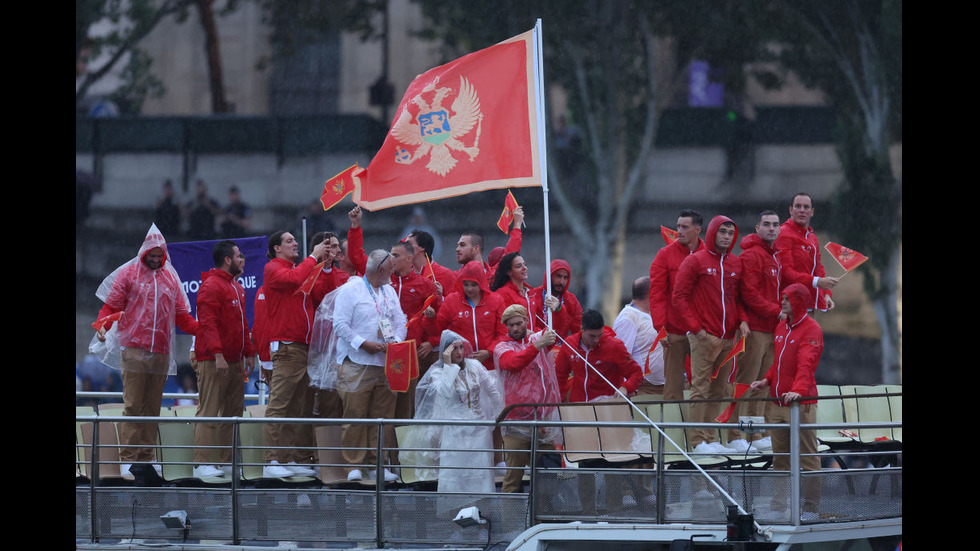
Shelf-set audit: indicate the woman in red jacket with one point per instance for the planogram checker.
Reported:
(510, 282)
(473, 311)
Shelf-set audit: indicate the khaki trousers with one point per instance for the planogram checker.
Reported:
(222, 395)
(517, 453)
(675, 356)
(808, 461)
(706, 356)
(288, 392)
(370, 398)
(144, 375)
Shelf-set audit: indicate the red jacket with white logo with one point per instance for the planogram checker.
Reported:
(532, 301)
(478, 323)
(760, 288)
(289, 312)
(798, 251)
(663, 274)
(706, 292)
(799, 344)
(609, 357)
(222, 326)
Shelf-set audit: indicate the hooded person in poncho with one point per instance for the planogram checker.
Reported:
(459, 387)
(144, 300)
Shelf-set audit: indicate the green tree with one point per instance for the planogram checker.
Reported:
(853, 52)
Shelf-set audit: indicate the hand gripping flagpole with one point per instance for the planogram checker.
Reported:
(542, 154)
(654, 425)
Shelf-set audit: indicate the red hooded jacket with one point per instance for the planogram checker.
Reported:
(663, 274)
(609, 357)
(567, 319)
(760, 283)
(799, 344)
(708, 286)
(798, 251)
(509, 292)
(222, 326)
(290, 313)
(152, 301)
(478, 323)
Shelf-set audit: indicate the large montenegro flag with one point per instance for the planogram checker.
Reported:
(470, 125)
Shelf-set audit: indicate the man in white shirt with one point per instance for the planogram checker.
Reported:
(634, 327)
(367, 317)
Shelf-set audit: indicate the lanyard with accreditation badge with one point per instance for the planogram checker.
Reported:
(385, 329)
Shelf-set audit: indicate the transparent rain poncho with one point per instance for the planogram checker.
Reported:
(452, 391)
(534, 384)
(149, 301)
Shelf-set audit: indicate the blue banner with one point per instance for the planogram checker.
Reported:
(191, 258)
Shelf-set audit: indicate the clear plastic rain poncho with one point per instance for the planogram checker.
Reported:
(452, 391)
(149, 301)
(537, 383)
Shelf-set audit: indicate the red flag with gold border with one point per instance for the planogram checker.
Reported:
(399, 365)
(847, 258)
(668, 234)
(469, 125)
(338, 187)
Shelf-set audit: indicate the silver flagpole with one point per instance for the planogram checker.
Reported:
(542, 153)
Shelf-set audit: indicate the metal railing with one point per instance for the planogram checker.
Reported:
(397, 507)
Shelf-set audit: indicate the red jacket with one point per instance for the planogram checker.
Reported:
(798, 251)
(479, 323)
(152, 301)
(609, 357)
(529, 376)
(663, 274)
(412, 291)
(532, 301)
(260, 327)
(290, 313)
(760, 278)
(799, 344)
(355, 250)
(706, 291)
(222, 326)
(567, 319)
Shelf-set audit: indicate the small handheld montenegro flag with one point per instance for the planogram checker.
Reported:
(507, 216)
(740, 389)
(307, 286)
(401, 365)
(338, 187)
(668, 234)
(107, 320)
(847, 258)
(736, 350)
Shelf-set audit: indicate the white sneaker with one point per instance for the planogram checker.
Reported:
(763, 443)
(742, 445)
(226, 470)
(157, 467)
(355, 476)
(275, 470)
(500, 469)
(300, 470)
(712, 448)
(389, 476)
(207, 471)
(124, 470)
